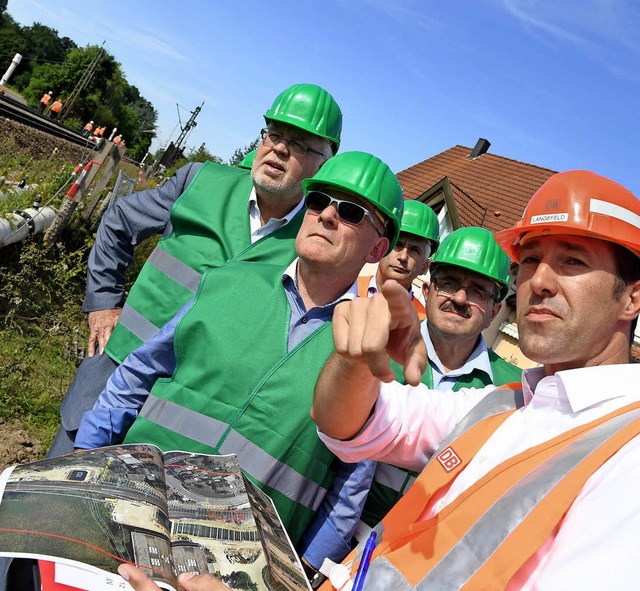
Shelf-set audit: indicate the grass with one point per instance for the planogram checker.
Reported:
(42, 328)
(36, 366)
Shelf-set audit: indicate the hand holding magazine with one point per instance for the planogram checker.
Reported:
(166, 513)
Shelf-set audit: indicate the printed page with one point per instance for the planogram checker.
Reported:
(285, 569)
(213, 529)
(95, 507)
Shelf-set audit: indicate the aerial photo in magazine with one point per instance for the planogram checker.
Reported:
(168, 513)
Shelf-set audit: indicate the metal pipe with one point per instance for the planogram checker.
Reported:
(17, 225)
(14, 64)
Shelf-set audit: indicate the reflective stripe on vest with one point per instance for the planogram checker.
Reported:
(173, 268)
(392, 477)
(136, 323)
(253, 459)
(485, 539)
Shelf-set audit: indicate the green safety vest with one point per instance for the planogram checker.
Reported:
(236, 389)
(391, 482)
(210, 227)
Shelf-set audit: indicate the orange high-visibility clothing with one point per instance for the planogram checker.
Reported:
(485, 536)
(363, 292)
(117, 139)
(88, 127)
(45, 99)
(57, 106)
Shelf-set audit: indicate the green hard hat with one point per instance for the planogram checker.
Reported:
(421, 220)
(475, 249)
(368, 177)
(311, 108)
(247, 161)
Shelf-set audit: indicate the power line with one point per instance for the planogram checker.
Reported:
(82, 83)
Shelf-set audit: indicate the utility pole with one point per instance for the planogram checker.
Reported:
(174, 149)
(189, 126)
(82, 83)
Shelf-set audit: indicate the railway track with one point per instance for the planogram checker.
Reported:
(30, 117)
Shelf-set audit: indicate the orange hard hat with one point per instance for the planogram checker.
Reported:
(581, 203)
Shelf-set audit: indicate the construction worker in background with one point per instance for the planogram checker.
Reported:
(419, 237)
(87, 129)
(535, 488)
(99, 132)
(469, 277)
(255, 216)
(55, 109)
(117, 139)
(241, 311)
(44, 101)
(247, 161)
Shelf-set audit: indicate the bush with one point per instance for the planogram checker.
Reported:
(42, 331)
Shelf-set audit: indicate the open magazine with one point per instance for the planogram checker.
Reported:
(167, 513)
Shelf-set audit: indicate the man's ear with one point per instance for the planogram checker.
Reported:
(426, 286)
(632, 307)
(494, 313)
(379, 250)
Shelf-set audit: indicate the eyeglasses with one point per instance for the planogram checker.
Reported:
(272, 138)
(449, 287)
(349, 212)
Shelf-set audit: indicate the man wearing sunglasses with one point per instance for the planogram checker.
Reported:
(251, 346)
(209, 213)
(469, 277)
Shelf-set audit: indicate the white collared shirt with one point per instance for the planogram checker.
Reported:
(445, 380)
(257, 229)
(597, 544)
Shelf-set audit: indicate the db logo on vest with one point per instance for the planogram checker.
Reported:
(448, 459)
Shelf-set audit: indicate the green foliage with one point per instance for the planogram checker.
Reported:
(42, 329)
(40, 284)
(240, 153)
(57, 64)
(200, 155)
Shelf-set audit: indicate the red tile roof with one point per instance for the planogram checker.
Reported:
(490, 191)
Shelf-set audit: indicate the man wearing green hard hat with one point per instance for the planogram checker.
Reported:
(208, 214)
(419, 238)
(251, 346)
(247, 161)
(469, 278)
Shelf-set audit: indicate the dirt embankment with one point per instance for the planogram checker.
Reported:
(16, 446)
(37, 144)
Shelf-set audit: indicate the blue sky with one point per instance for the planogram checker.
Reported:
(555, 83)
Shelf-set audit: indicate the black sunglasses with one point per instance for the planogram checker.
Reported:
(349, 212)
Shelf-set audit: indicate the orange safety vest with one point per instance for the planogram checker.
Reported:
(461, 548)
(56, 107)
(363, 292)
(45, 99)
(88, 127)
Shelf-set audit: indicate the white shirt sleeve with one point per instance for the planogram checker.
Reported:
(407, 424)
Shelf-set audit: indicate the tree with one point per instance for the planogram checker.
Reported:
(57, 64)
(240, 153)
